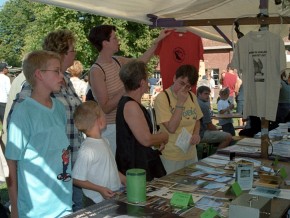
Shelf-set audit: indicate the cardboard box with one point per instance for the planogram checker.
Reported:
(250, 206)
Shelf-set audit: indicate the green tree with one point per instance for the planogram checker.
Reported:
(24, 24)
(14, 18)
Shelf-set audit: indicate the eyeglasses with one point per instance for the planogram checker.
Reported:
(187, 86)
(57, 71)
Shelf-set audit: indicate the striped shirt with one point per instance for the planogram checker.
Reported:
(113, 82)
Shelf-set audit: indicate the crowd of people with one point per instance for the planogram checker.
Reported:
(75, 151)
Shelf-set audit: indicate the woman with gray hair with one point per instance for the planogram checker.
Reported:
(134, 130)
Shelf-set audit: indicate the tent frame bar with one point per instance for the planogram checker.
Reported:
(171, 22)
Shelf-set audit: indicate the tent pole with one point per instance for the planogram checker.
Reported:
(264, 123)
(264, 138)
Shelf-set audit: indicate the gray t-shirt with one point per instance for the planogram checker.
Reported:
(260, 58)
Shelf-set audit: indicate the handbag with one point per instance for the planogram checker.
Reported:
(155, 169)
(149, 160)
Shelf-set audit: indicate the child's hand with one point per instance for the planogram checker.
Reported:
(106, 193)
(165, 135)
(195, 139)
(231, 107)
(182, 95)
(162, 35)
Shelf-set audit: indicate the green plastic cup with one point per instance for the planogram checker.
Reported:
(136, 185)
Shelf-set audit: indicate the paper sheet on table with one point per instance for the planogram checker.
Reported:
(255, 162)
(220, 157)
(285, 193)
(214, 185)
(209, 169)
(216, 162)
(250, 142)
(264, 191)
(183, 140)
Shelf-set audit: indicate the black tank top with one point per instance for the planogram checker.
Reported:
(130, 153)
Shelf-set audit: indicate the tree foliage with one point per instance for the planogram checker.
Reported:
(24, 24)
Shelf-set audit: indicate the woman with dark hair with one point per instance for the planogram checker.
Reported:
(178, 113)
(104, 80)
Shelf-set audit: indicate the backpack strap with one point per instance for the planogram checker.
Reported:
(168, 99)
(115, 59)
(101, 69)
(190, 95)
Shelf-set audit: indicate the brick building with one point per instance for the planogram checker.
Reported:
(218, 55)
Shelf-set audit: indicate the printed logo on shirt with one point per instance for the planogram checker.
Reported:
(64, 176)
(190, 114)
(258, 66)
(178, 54)
(187, 114)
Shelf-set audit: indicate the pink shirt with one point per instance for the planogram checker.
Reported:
(229, 81)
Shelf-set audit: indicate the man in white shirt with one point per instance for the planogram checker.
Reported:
(4, 88)
(15, 88)
(208, 81)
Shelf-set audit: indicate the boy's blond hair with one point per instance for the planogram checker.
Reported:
(37, 60)
(76, 69)
(86, 114)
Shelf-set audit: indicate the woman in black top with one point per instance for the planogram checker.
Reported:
(134, 129)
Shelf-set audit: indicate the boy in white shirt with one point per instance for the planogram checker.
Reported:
(95, 170)
(225, 107)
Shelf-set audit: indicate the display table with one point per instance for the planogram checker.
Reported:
(206, 181)
(228, 116)
(251, 147)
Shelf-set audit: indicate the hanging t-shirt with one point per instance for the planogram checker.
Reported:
(260, 58)
(175, 50)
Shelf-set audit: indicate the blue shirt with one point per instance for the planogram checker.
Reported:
(37, 140)
(206, 119)
(70, 100)
(284, 96)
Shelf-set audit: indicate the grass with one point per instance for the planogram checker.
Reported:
(4, 193)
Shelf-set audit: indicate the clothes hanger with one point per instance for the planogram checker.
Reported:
(180, 29)
(237, 29)
(263, 27)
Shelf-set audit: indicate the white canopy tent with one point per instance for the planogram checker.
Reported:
(203, 12)
(211, 19)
